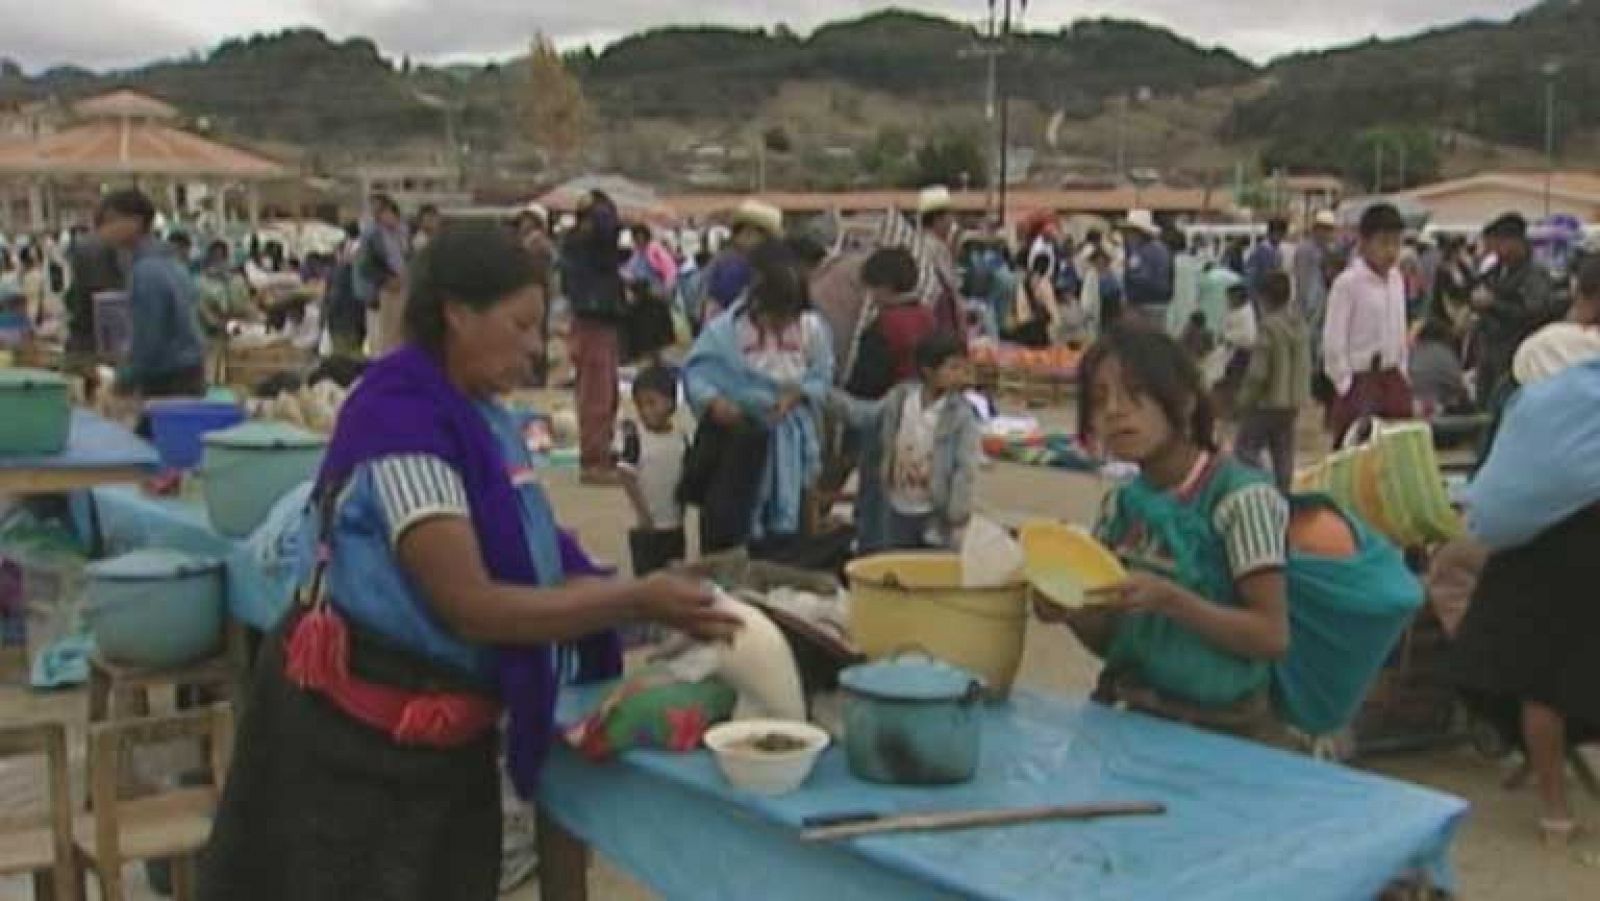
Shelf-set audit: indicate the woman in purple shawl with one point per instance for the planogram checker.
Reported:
(439, 597)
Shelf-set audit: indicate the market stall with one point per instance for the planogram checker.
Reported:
(98, 452)
(1241, 820)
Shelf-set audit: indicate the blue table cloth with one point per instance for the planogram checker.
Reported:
(1243, 821)
(93, 442)
(261, 570)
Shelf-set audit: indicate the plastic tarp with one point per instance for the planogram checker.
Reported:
(1544, 466)
(94, 442)
(1243, 821)
(262, 570)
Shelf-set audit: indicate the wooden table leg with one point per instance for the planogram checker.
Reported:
(563, 863)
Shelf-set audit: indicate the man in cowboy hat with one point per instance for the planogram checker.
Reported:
(1148, 279)
(1309, 269)
(939, 285)
(726, 280)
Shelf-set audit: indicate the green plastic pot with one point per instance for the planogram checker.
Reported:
(36, 411)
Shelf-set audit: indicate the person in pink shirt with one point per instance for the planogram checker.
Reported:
(1364, 342)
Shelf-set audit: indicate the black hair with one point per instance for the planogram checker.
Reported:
(1156, 366)
(702, 258)
(642, 233)
(777, 286)
(1509, 225)
(933, 216)
(1437, 331)
(427, 209)
(1381, 219)
(807, 250)
(130, 202)
(382, 202)
(937, 349)
(1277, 225)
(180, 237)
(219, 246)
(352, 230)
(1276, 289)
(1198, 317)
(476, 264)
(891, 268)
(1589, 278)
(658, 379)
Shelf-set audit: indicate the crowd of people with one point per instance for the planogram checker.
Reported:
(803, 364)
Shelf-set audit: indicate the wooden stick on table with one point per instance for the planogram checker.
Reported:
(973, 819)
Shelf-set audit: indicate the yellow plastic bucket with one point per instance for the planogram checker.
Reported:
(900, 601)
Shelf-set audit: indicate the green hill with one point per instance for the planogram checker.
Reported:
(1481, 78)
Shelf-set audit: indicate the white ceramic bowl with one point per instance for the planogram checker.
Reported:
(761, 772)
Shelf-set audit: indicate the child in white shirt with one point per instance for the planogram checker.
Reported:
(650, 456)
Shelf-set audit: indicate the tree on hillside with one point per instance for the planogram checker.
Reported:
(1385, 158)
(556, 112)
(953, 159)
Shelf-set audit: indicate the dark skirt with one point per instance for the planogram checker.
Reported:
(319, 807)
(648, 328)
(1532, 632)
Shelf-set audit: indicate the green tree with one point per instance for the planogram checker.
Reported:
(887, 160)
(1391, 159)
(777, 140)
(952, 159)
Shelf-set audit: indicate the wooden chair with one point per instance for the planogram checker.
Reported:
(173, 824)
(118, 691)
(41, 845)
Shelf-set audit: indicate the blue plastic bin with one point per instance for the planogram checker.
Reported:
(178, 427)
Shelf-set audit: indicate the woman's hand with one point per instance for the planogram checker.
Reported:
(724, 412)
(788, 399)
(688, 606)
(1143, 593)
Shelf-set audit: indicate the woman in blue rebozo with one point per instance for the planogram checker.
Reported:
(440, 598)
(756, 379)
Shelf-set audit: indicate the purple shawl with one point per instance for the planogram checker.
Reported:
(403, 404)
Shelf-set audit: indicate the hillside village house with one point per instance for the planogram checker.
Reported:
(1470, 203)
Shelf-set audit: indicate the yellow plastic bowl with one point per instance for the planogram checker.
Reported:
(1063, 562)
(915, 601)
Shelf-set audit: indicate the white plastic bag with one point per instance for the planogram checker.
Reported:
(990, 558)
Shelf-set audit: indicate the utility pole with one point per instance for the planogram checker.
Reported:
(1551, 69)
(1005, 114)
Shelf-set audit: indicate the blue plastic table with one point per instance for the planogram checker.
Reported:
(98, 452)
(1242, 822)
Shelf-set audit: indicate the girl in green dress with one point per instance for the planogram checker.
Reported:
(1192, 633)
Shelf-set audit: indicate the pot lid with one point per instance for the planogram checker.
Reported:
(910, 677)
(265, 436)
(151, 564)
(31, 378)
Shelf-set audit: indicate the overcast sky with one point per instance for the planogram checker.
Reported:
(119, 33)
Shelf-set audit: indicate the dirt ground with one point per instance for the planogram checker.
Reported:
(1497, 854)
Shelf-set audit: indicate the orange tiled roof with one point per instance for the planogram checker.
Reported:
(132, 147)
